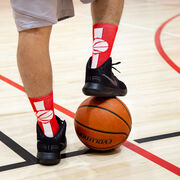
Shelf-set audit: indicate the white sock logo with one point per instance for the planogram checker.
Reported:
(44, 116)
(99, 46)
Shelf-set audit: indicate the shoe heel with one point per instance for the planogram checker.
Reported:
(46, 158)
(98, 90)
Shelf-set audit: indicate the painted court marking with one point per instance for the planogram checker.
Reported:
(149, 29)
(159, 137)
(159, 44)
(161, 162)
(29, 159)
(23, 153)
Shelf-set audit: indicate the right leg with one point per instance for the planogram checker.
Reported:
(100, 81)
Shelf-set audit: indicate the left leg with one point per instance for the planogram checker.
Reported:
(34, 26)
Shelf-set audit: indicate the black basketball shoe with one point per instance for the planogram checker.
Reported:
(101, 82)
(49, 148)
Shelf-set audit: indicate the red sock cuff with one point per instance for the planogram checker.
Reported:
(103, 40)
(48, 98)
(44, 110)
(104, 25)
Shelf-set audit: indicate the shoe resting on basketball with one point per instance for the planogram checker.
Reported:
(49, 148)
(101, 82)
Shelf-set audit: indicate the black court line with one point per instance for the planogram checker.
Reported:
(23, 153)
(31, 160)
(76, 153)
(17, 148)
(155, 138)
(16, 165)
(28, 157)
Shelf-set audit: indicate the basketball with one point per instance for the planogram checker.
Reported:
(102, 123)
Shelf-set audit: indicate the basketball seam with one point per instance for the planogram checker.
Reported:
(108, 111)
(100, 130)
(126, 109)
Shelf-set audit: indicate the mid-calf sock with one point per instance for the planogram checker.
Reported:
(44, 111)
(103, 40)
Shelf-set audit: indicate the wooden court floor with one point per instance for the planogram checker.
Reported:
(148, 45)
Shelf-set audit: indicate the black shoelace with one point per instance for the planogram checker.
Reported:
(115, 65)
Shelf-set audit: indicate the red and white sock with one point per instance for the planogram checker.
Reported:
(103, 40)
(44, 111)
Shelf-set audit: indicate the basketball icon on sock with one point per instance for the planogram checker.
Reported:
(99, 46)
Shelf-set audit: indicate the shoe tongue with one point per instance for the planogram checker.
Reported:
(108, 63)
(107, 66)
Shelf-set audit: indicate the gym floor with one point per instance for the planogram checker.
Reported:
(148, 46)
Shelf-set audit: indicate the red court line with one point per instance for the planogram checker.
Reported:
(161, 162)
(64, 110)
(56, 106)
(12, 83)
(159, 45)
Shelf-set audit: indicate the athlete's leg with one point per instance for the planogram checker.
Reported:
(34, 61)
(36, 73)
(34, 26)
(106, 16)
(100, 81)
(107, 11)
(35, 69)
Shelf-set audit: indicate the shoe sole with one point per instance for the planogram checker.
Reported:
(48, 158)
(98, 90)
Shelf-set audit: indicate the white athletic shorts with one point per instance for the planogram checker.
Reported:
(29, 14)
